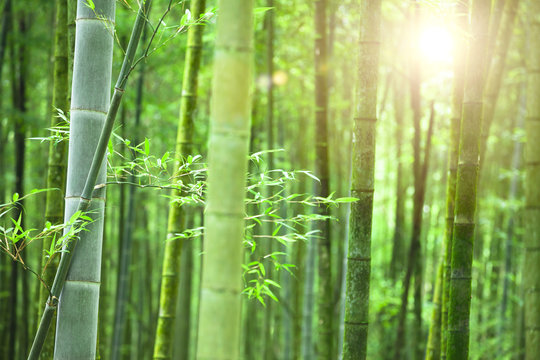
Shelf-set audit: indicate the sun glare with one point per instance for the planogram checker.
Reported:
(436, 44)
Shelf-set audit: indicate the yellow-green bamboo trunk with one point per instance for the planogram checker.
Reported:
(362, 185)
(433, 351)
(78, 308)
(461, 22)
(221, 287)
(170, 276)
(531, 238)
(467, 176)
(56, 167)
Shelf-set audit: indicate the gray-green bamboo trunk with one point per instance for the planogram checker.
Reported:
(362, 185)
(76, 333)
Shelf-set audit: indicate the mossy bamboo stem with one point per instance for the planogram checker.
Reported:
(362, 185)
(170, 276)
(453, 156)
(467, 176)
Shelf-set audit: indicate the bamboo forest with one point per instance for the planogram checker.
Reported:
(269, 179)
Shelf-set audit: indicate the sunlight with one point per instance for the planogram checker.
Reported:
(436, 44)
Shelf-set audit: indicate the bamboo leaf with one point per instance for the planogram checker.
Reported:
(272, 282)
(346, 199)
(146, 147)
(90, 4)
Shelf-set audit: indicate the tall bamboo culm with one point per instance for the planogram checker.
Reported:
(90, 190)
(78, 307)
(56, 167)
(324, 299)
(461, 23)
(221, 287)
(531, 280)
(466, 183)
(362, 185)
(170, 276)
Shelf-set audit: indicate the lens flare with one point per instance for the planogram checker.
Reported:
(437, 44)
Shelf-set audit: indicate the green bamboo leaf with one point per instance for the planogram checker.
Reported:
(308, 173)
(185, 18)
(276, 230)
(272, 282)
(165, 157)
(110, 147)
(346, 199)
(261, 11)
(269, 292)
(53, 245)
(146, 147)
(90, 4)
(17, 224)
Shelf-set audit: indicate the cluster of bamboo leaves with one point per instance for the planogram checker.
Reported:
(156, 172)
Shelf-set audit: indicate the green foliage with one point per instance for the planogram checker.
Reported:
(59, 132)
(266, 191)
(155, 171)
(14, 238)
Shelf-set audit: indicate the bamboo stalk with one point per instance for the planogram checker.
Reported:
(220, 308)
(466, 187)
(362, 185)
(85, 199)
(170, 275)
